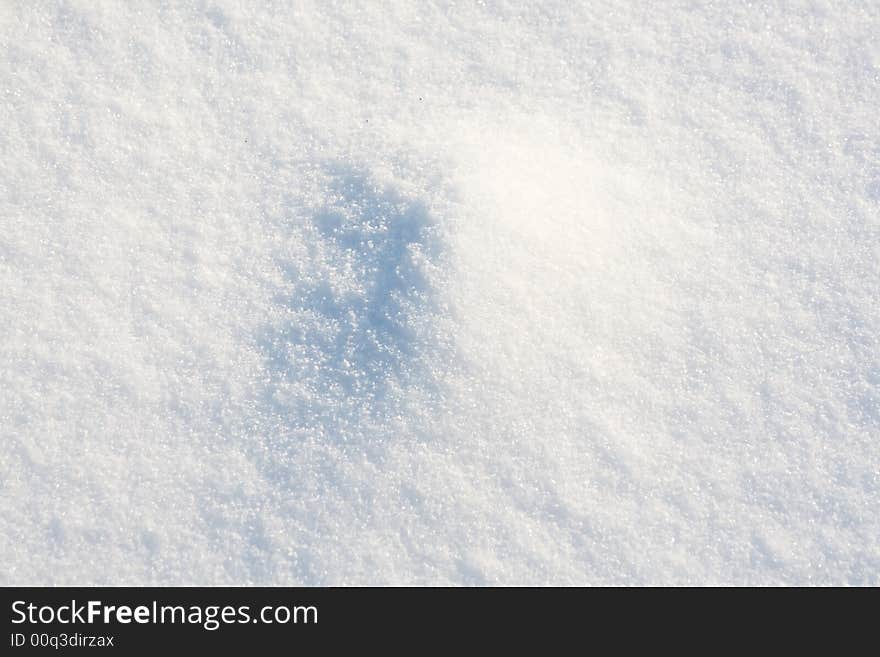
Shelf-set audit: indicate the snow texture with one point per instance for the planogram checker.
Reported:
(426, 293)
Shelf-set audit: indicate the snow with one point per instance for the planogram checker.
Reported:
(439, 293)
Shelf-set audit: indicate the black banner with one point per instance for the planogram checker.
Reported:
(149, 620)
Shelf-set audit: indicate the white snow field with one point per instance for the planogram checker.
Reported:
(440, 292)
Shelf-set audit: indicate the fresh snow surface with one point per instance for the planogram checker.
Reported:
(440, 293)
